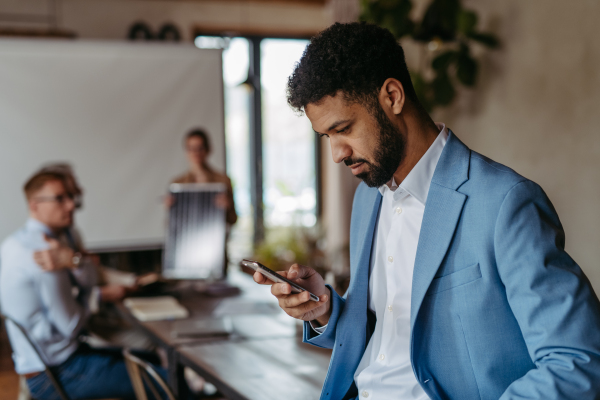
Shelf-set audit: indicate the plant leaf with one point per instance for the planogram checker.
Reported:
(466, 69)
(485, 38)
(439, 21)
(443, 90)
(443, 61)
(423, 90)
(466, 21)
(390, 14)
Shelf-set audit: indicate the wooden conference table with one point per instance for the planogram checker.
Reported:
(264, 357)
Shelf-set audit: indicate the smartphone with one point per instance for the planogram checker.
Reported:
(275, 277)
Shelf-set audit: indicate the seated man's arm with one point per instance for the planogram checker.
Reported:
(552, 300)
(86, 273)
(64, 312)
(40, 301)
(56, 293)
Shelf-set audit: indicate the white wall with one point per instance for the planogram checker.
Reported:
(536, 109)
(115, 111)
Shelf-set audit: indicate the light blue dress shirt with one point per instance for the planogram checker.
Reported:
(51, 306)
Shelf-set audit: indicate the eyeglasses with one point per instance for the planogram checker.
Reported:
(60, 199)
(195, 149)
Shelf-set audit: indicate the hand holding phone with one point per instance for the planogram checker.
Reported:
(293, 289)
(275, 277)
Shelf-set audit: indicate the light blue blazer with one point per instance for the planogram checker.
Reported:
(498, 310)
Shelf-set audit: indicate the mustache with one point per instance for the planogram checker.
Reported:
(350, 161)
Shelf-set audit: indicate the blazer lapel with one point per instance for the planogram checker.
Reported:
(354, 320)
(442, 213)
(363, 242)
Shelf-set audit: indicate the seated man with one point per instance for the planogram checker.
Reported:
(105, 327)
(53, 305)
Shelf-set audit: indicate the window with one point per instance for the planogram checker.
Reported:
(287, 142)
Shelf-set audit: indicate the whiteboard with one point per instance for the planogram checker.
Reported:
(117, 112)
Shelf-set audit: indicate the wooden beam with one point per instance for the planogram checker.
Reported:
(293, 2)
(37, 33)
(233, 31)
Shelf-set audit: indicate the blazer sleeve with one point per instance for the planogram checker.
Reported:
(551, 298)
(327, 338)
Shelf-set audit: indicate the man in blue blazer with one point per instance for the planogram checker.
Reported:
(460, 286)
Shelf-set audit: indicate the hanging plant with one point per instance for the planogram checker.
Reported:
(445, 34)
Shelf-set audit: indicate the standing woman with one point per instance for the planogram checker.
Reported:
(197, 149)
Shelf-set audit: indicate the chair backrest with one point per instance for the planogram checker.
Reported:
(142, 372)
(40, 354)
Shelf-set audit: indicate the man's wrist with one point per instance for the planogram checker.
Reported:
(323, 320)
(318, 329)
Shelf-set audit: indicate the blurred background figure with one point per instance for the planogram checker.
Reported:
(197, 150)
(72, 185)
(50, 286)
(105, 326)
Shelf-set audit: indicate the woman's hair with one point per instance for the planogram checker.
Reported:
(201, 133)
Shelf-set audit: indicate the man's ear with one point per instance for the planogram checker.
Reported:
(32, 206)
(392, 96)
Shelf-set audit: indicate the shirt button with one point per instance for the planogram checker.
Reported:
(365, 393)
(390, 308)
(382, 357)
(399, 210)
(391, 259)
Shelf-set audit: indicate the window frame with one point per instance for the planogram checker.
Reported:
(256, 126)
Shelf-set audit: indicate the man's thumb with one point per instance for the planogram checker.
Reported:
(298, 271)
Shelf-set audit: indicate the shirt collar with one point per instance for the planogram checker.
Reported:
(418, 180)
(34, 225)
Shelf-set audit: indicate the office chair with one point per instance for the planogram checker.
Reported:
(141, 372)
(47, 370)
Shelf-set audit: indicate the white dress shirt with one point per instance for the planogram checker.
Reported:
(385, 370)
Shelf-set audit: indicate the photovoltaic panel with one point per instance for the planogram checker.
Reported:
(195, 245)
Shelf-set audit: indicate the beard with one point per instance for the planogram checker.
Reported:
(388, 153)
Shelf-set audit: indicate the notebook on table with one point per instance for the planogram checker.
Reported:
(155, 308)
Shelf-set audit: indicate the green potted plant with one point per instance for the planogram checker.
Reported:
(446, 34)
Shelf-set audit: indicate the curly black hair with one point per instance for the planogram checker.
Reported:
(355, 58)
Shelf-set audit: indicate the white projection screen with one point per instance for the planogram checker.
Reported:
(117, 112)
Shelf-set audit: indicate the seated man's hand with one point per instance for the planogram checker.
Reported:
(55, 257)
(112, 293)
(299, 305)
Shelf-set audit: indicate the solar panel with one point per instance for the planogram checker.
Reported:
(195, 245)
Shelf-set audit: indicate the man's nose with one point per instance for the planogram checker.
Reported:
(339, 150)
